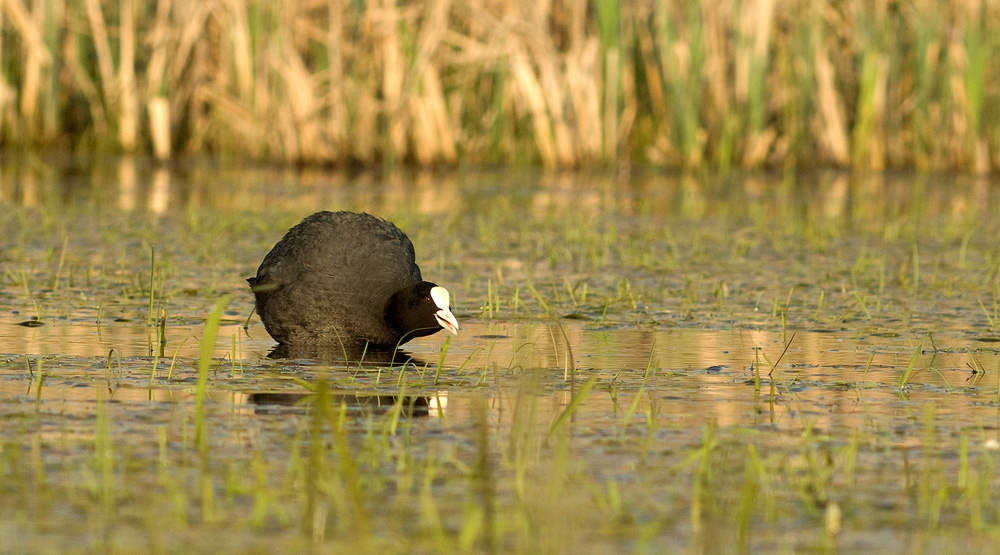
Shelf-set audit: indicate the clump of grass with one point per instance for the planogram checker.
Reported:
(911, 368)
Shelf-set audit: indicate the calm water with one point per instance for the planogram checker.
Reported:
(866, 306)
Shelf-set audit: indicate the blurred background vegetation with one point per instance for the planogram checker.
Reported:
(871, 84)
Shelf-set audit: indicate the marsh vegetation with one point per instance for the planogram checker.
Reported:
(749, 84)
(647, 363)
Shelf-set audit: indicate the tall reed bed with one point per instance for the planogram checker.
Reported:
(751, 83)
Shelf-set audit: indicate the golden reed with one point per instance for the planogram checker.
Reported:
(755, 83)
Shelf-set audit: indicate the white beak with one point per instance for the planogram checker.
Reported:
(444, 316)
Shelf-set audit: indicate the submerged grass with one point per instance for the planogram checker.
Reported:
(516, 435)
(497, 474)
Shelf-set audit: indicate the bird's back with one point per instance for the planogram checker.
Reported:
(329, 277)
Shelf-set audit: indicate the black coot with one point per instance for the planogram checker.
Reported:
(346, 279)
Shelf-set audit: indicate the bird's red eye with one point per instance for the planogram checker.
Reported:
(427, 299)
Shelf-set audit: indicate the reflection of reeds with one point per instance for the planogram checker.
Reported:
(755, 83)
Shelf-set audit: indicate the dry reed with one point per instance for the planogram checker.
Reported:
(754, 83)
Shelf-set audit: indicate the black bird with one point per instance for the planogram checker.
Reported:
(348, 280)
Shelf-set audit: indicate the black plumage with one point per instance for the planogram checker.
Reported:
(341, 278)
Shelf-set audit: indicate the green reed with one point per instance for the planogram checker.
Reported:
(204, 364)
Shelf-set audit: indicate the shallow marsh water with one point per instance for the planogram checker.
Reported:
(647, 363)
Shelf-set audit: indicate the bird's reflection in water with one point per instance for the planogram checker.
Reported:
(409, 405)
(325, 354)
(359, 403)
